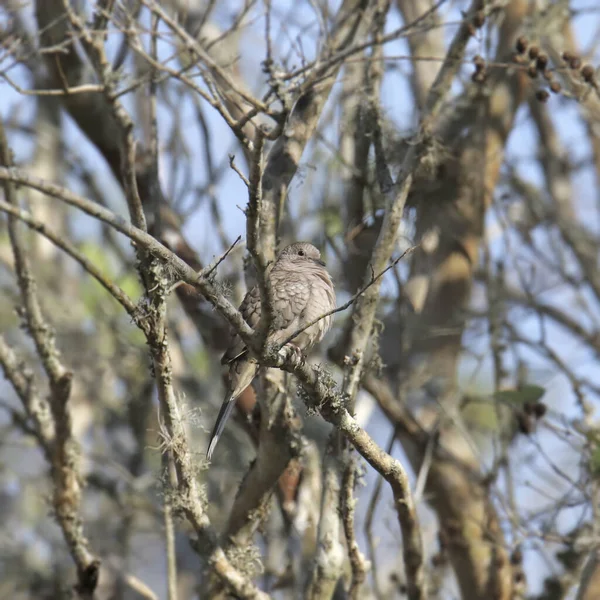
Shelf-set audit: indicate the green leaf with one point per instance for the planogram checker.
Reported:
(481, 414)
(595, 461)
(199, 362)
(93, 294)
(333, 222)
(130, 284)
(526, 393)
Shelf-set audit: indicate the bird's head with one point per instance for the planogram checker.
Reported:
(301, 253)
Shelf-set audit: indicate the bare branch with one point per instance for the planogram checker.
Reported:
(65, 464)
(322, 395)
(352, 21)
(113, 289)
(36, 406)
(329, 557)
(254, 231)
(360, 566)
(145, 240)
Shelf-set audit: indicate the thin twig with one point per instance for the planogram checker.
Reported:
(148, 242)
(65, 463)
(237, 170)
(112, 288)
(323, 395)
(96, 52)
(210, 269)
(37, 408)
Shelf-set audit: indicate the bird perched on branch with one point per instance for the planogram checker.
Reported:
(302, 291)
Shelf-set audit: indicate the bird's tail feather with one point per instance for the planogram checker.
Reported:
(222, 417)
(244, 372)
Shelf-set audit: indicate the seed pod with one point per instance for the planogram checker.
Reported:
(542, 61)
(522, 44)
(548, 75)
(516, 558)
(567, 56)
(575, 63)
(533, 52)
(519, 576)
(524, 423)
(588, 73)
(555, 87)
(542, 95)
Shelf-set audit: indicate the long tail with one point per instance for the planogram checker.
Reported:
(241, 375)
(222, 417)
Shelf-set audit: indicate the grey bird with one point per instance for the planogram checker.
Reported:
(302, 292)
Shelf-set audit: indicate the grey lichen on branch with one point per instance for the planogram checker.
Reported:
(62, 450)
(260, 238)
(322, 394)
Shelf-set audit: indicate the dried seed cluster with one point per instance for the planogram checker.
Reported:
(528, 415)
(587, 71)
(538, 64)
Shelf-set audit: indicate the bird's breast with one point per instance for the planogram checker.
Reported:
(322, 301)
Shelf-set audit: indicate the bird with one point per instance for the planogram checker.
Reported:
(302, 291)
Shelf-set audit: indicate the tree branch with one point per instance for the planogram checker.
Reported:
(65, 463)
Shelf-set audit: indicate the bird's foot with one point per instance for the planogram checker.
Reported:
(290, 352)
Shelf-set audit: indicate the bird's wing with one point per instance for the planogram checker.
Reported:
(291, 294)
(250, 310)
(291, 297)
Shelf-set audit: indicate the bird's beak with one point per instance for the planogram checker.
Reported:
(320, 262)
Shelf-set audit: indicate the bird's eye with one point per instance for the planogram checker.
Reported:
(300, 252)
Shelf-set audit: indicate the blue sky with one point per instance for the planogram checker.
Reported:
(397, 104)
